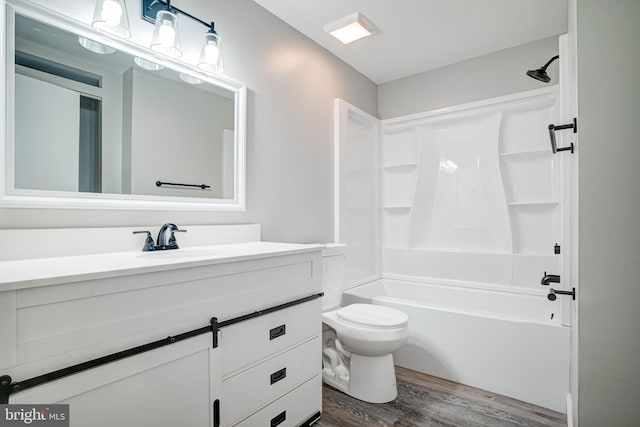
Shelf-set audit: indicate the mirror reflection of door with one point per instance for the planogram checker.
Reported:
(58, 129)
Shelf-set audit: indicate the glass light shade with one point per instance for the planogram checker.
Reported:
(190, 79)
(165, 35)
(211, 54)
(147, 65)
(94, 46)
(111, 17)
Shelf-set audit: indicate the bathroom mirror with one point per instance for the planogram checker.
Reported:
(94, 122)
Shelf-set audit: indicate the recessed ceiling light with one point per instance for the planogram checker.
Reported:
(190, 79)
(351, 28)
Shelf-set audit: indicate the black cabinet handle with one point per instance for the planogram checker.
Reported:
(278, 331)
(278, 375)
(279, 419)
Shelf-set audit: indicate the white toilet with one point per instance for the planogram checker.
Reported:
(358, 340)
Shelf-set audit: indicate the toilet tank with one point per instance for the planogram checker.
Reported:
(332, 275)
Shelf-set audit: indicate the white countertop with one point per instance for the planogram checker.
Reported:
(28, 273)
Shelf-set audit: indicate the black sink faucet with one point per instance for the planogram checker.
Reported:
(166, 238)
(548, 278)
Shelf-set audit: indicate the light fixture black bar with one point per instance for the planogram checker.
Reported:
(150, 9)
(201, 186)
(8, 387)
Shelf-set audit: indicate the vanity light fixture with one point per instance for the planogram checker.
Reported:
(165, 36)
(190, 79)
(111, 17)
(146, 64)
(351, 28)
(95, 47)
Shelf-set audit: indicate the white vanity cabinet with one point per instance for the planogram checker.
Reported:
(262, 368)
(265, 363)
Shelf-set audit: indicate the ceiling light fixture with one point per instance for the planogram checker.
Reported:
(165, 36)
(351, 28)
(111, 17)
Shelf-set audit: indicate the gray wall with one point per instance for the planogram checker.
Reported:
(292, 82)
(488, 76)
(609, 202)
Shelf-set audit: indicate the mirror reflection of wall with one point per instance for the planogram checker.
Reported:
(89, 122)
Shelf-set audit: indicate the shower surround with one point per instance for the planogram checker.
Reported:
(470, 199)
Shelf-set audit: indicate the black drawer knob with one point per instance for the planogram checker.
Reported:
(279, 419)
(278, 375)
(278, 331)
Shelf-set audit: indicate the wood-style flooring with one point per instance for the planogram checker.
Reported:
(424, 400)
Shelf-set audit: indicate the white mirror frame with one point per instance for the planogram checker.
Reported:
(10, 197)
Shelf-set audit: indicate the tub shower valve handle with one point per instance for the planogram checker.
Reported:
(553, 294)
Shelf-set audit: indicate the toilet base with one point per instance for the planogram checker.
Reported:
(371, 379)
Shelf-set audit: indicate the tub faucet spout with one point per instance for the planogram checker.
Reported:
(548, 278)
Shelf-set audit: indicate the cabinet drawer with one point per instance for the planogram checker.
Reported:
(292, 409)
(254, 388)
(245, 343)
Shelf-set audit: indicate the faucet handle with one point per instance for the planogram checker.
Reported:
(149, 245)
(172, 238)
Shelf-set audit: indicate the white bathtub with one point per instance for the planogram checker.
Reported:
(503, 342)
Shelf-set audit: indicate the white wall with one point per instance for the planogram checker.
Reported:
(609, 202)
(488, 76)
(185, 147)
(292, 83)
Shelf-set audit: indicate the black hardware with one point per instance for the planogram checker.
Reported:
(279, 419)
(5, 389)
(163, 243)
(315, 417)
(200, 186)
(548, 278)
(552, 135)
(269, 310)
(278, 375)
(556, 249)
(216, 413)
(149, 245)
(553, 294)
(94, 363)
(214, 329)
(278, 331)
(150, 9)
(541, 73)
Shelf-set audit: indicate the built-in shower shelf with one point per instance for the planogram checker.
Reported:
(525, 154)
(400, 167)
(534, 203)
(397, 207)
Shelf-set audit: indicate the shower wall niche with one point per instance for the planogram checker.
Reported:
(472, 194)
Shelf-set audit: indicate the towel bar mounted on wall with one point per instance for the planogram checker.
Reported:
(200, 186)
(552, 135)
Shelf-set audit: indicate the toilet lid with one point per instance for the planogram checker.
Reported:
(373, 316)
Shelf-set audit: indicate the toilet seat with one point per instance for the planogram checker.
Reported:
(373, 316)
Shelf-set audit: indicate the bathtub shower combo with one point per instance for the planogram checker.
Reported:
(453, 217)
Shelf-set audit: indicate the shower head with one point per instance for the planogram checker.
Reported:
(541, 73)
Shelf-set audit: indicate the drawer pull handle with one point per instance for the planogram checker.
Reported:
(278, 375)
(278, 331)
(279, 419)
